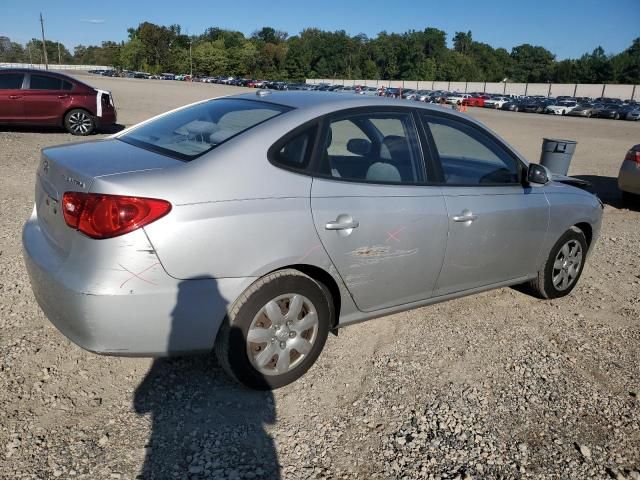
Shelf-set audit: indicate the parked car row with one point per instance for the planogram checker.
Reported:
(603, 107)
(576, 107)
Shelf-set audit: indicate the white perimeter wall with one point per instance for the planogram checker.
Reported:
(554, 89)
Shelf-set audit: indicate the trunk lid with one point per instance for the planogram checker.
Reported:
(73, 168)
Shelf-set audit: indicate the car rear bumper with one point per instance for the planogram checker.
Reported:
(153, 316)
(107, 118)
(629, 177)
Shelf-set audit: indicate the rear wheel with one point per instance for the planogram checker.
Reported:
(563, 267)
(79, 122)
(276, 330)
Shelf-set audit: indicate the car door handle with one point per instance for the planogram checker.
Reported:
(341, 225)
(15, 97)
(63, 96)
(465, 217)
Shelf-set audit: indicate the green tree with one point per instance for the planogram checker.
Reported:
(462, 42)
(531, 64)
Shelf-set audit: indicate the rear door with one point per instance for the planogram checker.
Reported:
(384, 229)
(11, 96)
(496, 224)
(46, 98)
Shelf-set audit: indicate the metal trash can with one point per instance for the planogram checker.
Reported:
(556, 154)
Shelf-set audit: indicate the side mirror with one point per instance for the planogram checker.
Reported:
(537, 174)
(359, 146)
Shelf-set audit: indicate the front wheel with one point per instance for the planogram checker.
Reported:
(79, 122)
(563, 267)
(276, 330)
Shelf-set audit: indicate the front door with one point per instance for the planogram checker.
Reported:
(385, 233)
(496, 225)
(11, 97)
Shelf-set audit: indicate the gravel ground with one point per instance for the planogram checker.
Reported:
(499, 385)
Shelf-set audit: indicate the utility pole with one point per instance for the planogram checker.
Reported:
(59, 61)
(44, 45)
(190, 61)
(30, 58)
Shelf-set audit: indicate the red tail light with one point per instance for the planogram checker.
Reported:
(633, 156)
(107, 216)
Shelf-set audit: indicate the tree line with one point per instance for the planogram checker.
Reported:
(314, 53)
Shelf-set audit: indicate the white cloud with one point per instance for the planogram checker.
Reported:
(93, 20)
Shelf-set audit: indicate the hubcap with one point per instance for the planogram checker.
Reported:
(567, 265)
(282, 333)
(79, 122)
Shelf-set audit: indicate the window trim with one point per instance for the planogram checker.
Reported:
(443, 118)
(354, 111)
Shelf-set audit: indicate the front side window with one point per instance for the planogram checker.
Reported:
(11, 81)
(193, 131)
(469, 156)
(373, 147)
(45, 82)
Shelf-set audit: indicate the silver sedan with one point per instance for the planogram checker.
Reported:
(254, 225)
(629, 175)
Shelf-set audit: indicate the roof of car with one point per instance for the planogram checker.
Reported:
(47, 72)
(305, 99)
(35, 70)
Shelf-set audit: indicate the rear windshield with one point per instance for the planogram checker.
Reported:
(193, 131)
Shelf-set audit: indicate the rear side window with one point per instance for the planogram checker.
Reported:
(296, 151)
(193, 131)
(45, 82)
(11, 81)
(67, 85)
(470, 157)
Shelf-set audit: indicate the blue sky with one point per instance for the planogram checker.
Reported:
(568, 28)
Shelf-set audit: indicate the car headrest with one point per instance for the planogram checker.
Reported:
(383, 172)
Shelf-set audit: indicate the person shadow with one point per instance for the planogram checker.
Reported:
(203, 425)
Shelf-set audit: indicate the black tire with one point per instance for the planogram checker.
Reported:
(231, 342)
(79, 122)
(543, 285)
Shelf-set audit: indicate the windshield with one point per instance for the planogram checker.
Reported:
(193, 131)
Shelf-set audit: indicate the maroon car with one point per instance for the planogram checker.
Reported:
(36, 97)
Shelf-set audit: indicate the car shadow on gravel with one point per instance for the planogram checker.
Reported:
(607, 190)
(203, 425)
